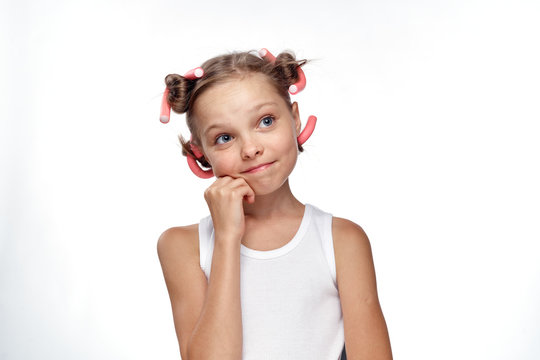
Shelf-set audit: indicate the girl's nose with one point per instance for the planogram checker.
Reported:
(251, 150)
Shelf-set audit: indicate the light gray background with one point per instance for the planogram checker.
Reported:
(427, 138)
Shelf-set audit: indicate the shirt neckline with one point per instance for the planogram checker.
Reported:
(270, 254)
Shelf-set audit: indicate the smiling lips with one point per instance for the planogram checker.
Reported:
(258, 168)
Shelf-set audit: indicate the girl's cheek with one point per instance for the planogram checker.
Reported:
(285, 143)
(221, 163)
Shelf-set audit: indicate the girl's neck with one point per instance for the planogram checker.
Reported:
(280, 202)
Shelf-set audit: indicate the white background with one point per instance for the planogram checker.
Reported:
(427, 138)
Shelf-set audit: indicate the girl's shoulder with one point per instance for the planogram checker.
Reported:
(179, 240)
(354, 260)
(349, 237)
(347, 230)
(344, 232)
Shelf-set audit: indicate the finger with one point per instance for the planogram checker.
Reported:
(247, 193)
(249, 198)
(222, 181)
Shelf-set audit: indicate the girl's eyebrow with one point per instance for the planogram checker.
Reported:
(253, 109)
(257, 107)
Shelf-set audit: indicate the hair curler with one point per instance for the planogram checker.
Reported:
(267, 55)
(195, 73)
(165, 113)
(299, 85)
(195, 148)
(205, 174)
(308, 129)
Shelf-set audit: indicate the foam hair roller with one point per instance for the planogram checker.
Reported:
(267, 55)
(165, 113)
(193, 74)
(195, 148)
(308, 130)
(298, 85)
(205, 174)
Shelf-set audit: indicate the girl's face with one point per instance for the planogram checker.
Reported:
(245, 123)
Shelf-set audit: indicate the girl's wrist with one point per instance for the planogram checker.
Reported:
(228, 240)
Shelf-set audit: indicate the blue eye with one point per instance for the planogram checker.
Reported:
(267, 120)
(225, 137)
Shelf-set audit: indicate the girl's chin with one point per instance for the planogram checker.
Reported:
(264, 189)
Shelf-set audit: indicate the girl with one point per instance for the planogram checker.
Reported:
(264, 276)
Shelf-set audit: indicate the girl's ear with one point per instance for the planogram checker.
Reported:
(296, 118)
(198, 151)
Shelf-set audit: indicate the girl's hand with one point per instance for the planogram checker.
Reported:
(225, 199)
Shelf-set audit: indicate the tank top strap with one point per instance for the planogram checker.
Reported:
(206, 244)
(323, 221)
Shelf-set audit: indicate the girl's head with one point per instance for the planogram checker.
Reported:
(224, 115)
(183, 93)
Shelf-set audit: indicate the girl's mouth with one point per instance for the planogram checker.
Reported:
(258, 168)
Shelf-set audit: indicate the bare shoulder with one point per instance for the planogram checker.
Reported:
(349, 236)
(354, 260)
(179, 238)
(345, 229)
(178, 252)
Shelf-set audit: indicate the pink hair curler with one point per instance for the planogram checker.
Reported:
(165, 113)
(267, 55)
(205, 174)
(297, 86)
(194, 74)
(300, 84)
(195, 148)
(308, 130)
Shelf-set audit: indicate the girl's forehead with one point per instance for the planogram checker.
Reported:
(238, 95)
(248, 83)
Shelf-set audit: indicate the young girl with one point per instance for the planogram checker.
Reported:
(264, 276)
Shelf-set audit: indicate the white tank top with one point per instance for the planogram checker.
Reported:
(289, 296)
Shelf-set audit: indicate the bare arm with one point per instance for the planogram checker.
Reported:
(208, 315)
(366, 333)
(218, 332)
